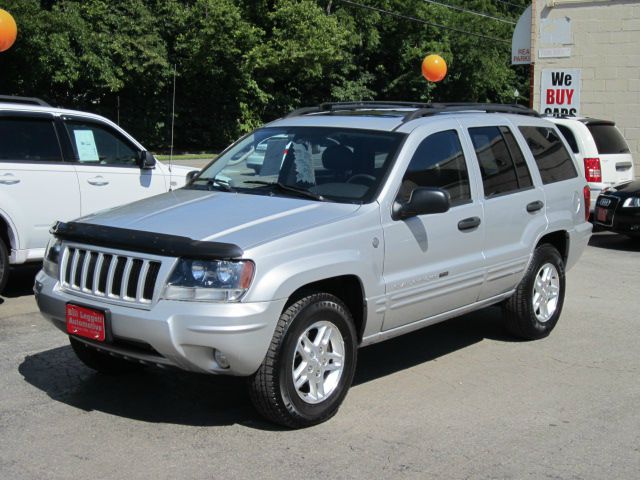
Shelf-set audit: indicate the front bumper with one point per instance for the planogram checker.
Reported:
(175, 333)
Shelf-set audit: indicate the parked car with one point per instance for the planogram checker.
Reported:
(382, 219)
(618, 209)
(61, 164)
(602, 152)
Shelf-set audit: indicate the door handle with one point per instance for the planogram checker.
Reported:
(9, 179)
(98, 181)
(535, 206)
(469, 223)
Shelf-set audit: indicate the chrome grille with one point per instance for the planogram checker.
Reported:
(108, 275)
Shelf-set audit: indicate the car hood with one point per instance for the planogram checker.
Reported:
(242, 219)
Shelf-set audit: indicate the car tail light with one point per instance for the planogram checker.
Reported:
(586, 192)
(592, 169)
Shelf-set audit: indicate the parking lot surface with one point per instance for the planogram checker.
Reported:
(456, 400)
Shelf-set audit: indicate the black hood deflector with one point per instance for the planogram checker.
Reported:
(145, 242)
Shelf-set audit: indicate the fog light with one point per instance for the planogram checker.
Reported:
(221, 359)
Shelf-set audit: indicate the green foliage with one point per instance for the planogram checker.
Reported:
(240, 63)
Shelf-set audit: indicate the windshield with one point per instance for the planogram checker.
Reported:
(335, 164)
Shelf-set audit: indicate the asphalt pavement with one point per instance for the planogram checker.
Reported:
(456, 400)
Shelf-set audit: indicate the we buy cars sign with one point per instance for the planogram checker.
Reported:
(560, 95)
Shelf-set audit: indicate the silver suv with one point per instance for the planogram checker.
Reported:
(366, 221)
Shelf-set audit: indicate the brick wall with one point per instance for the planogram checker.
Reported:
(606, 47)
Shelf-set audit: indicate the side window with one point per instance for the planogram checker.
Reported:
(93, 143)
(524, 176)
(28, 140)
(569, 137)
(502, 164)
(553, 159)
(439, 162)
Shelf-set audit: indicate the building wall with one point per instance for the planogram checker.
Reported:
(606, 47)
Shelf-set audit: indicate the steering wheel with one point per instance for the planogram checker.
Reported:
(368, 179)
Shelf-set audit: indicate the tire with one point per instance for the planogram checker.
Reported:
(272, 387)
(4, 265)
(102, 362)
(533, 310)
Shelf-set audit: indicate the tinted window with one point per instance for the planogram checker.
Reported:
(608, 139)
(29, 140)
(553, 159)
(570, 137)
(496, 165)
(524, 176)
(95, 144)
(439, 162)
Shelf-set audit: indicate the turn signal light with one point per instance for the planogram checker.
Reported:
(592, 170)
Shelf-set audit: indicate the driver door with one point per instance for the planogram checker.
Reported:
(434, 263)
(107, 167)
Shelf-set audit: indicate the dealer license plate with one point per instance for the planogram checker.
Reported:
(86, 322)
(601, 215)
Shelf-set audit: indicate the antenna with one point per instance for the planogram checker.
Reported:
(173, 121)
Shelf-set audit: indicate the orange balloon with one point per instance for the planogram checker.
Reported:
(8, 30)
(434, 68)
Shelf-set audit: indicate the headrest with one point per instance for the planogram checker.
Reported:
(337, 157)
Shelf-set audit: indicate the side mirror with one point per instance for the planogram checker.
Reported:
(146, 160)
(423, 201)
(191, 175)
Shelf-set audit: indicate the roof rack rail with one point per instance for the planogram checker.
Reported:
(421, 109)
(330, 107)
(23, 100)
(435, 108)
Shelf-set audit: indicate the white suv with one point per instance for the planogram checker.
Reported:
(61, 164)
(602, 152)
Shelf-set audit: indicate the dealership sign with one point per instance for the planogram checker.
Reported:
(560, 92)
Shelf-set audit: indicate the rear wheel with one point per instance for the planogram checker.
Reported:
(310, 363)
(533, 311)
(4, 265)
(100, 361)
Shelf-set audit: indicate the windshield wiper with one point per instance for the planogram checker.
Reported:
(216, 183)
(289, 189)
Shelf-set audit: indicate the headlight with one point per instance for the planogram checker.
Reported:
(209, 281)
(51, 262)
(632, 202)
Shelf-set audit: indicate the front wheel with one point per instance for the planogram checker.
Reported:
(310, 363)
(533, 310)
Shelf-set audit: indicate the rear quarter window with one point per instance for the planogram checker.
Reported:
(608, 139)
(554, 161)
(569, 137)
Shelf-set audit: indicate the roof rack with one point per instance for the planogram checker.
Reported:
(331, 107)
(420, 109)
(23, 100)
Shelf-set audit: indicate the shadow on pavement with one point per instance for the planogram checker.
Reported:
(172, 396)
(614, 241)
(21, 279)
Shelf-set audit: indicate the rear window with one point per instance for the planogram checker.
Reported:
(608, 139)
(569, 137)
(28, 140)
(553, 159)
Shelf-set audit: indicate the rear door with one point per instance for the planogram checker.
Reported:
(616, 162)
(36, 186)
(434, 263)
(513, 206)
(107, 167)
